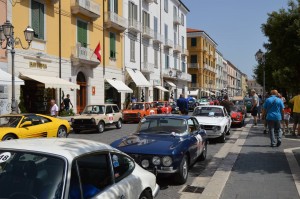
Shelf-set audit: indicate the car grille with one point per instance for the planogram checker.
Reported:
(83, 121)
(208, 127)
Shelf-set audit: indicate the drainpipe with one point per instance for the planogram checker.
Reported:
(59, 46)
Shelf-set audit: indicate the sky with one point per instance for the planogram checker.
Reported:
(235, 25)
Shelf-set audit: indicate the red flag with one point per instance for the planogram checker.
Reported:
(97, 52)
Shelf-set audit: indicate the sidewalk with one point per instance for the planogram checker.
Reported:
(263, 172)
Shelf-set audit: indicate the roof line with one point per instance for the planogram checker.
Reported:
(184, 5)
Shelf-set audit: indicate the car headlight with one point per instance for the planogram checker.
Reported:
(145, 163)
(156, 160)
(216, 128)
(93, 120)
(167, 161)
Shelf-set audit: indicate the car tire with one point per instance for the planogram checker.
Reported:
(222, 138)
(146, 195)
(101, 127)
(203, 155)
(62, 132)
(119, 124)
(9, 137)
(182, 176)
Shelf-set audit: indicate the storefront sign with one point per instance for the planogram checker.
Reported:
(37, 65)
(93, 90)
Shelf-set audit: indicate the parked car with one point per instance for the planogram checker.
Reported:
(29, 125)
(163, 107)
(203, 101)
(237, 115)
(248, 104)
(215, 120)
(175, 108)
(70, 169)
(192, 103)
(136, 111)
(166, 144)
(97, 117)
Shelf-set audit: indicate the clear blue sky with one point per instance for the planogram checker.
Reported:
(235, 25)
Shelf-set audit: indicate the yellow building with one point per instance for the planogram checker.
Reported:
(84, 25)
(202, 62)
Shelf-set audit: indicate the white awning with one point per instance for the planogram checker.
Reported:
(195, 92)
(171, 84)
(138, 78)
(161, 88)
(119, 85)
(5, 79)
(50, 82)
(208, 92)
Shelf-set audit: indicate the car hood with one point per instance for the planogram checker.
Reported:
(132, 111)
(147, 144)
(86, 116)
(209, 120)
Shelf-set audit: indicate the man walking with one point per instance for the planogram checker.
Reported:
(273, 109)
(182, 104)
(255, 104)
(67, 103)
(296, 112)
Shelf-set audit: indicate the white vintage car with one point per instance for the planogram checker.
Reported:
(70, 169)
(215, 120)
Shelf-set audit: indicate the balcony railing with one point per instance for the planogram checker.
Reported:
(176, 20)
(184, 52)
(88, 8)
(177, 48)
(115, 21)
(134, 25)
(209, 68)
(148, 32)
(168, 43)
(186, 77)
(193, 65)
(149, 1)
(83, 55)
(147, 67)
(158, 38)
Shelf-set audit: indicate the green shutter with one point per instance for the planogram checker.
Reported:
(116, 6)
(35, 18)
(41, 17)
(82, 33)
(112, 45)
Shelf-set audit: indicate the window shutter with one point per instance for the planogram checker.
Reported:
(116, 6)
(41, 19)
(112, 45)
(82, 33)
(35, 18)
(135, 12)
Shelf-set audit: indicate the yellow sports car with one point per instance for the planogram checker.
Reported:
(30, 125)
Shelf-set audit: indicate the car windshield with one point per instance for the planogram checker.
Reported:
(238, 102)
(236, 108)
(162, 126)
(136, 106)
(95, 109)
(208, 112)
(10, 121)
(157, 104)
(203, 100)
(30, 175)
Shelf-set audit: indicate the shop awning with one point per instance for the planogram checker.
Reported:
(5, 79)
(138, 78)
(161, 88)
(208, 92)
(119, 85)
(50, 82)
(171, 84)
(195, 92)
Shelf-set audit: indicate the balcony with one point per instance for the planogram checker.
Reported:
(83, 56)
(177, 48)
(149, 1)
(176, 20)
(134, 26)
(186, 77)
(209, 68)
(205, 49)
(148, 32)
(88, 8)
(184, 52)
(113, 20)
(147, 67)
(168, 43)
(170, 73)
(193, 65)
(158, 38)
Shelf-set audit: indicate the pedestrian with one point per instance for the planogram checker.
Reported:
(67, 103)
(286, 116)
(227, 104)
(273, 109)
(182, 104)
(53, 109)
(259, 107)
(296, 112)
(255, 104)
(263, 115)
(133, 99)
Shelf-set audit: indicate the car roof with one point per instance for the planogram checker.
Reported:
(215, 106)
(169, 116)
(66, 147)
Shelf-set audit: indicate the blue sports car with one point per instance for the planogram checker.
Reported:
(166, 144)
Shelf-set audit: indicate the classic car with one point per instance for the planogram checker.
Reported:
(163, 107)
(97, 117)
(203, 101)
(29, 125)
(240, 101)
(215, 120)
(237, 115)
(137, 110)
(166, 144)
(192, 103)
(70, 169)
(175, 108)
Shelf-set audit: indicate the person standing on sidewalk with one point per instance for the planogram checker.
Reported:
(273, 109)
(255, 104)
(296, 112)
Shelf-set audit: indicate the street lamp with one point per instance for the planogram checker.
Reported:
(7, 34)
(260, 58)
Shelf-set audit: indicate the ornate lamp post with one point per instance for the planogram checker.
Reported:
(7, 34)
(260, 58)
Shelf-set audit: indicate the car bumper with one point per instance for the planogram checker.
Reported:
(84, 126)
(212, 134)
(155, 191)
(131, 119)
(236, 121)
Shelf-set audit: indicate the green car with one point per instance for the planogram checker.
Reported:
(248, 104)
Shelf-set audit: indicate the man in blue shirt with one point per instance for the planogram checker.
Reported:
(273, 109)
(182, 104)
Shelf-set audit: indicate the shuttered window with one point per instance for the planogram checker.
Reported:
(146, 19)
(166, 61)
(145, 54)
(113, 6)
(112, 37)
(82, 33)
(155, 58)
(132, 50)
(132, 11)
(37, 19)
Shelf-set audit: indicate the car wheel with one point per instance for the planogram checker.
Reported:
(146, 195)
(62, 132)
(119, 124)
(183, 171)
(9, 137)
(202, 157)
(221, 139)
(100, 127)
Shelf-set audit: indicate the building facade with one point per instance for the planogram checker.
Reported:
(231, 79)
(252, 84)
(244, 85)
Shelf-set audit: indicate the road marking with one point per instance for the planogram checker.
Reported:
(294, 166)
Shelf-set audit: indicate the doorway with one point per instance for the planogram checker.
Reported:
(81, 93)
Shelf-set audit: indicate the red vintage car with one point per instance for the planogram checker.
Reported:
(138, 110)
(237, 115)
(163, 107)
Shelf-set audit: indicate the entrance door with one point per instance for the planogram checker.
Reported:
(81, 93)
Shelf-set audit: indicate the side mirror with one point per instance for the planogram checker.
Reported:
(26, 123)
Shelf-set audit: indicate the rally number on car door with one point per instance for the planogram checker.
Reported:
(110, 118)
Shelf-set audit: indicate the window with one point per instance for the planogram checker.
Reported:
(146, 19)
(108, 110)
(122, 166)
(37, 19)
(145, 54)
(183, 67)
(155, 25)
(112, 45)
(116, 109)
(182, 42)
(113, 6)
(132, 12)
(166, 6)
(155, 58)
(82, 33)
(175, 38)
(182, 19)
(132, 50)
(193, 41)
(175, 12)
(194, 59)
(166, 32)
(194, 78)
(175, 62)
(166, 61)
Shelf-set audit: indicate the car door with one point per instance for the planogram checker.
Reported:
(109, 115)
(116, 114)
(228, 118)
(37, 129)
(195, 140)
